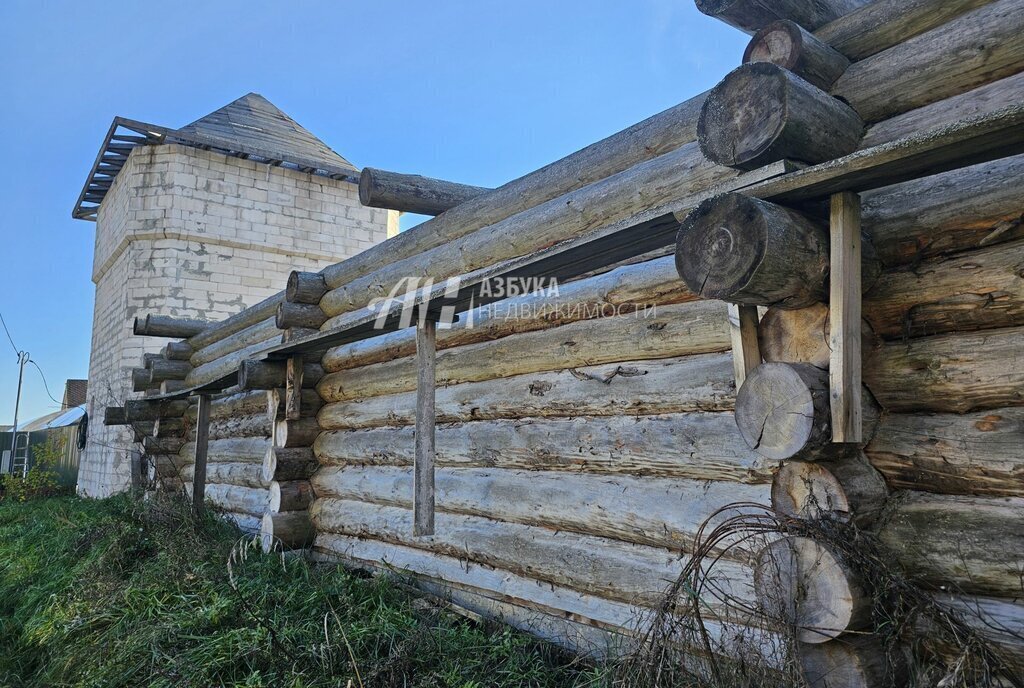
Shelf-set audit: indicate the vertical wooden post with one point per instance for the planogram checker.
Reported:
(293, 388)
(746, 355)
(202, 443)
(423, 479)
(845, 315)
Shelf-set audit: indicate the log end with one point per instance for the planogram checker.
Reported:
(743, 116)
(366, 186)
(782, 410)
(269, 465)
(808, 491)
(856, 662)
(780, 43)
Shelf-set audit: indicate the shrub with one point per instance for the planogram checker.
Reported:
(41, 480)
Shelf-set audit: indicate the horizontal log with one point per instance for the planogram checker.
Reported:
(241, 473)
(701, 382)
(140, 379)
(884, 23)
(660, 512)
(237, 322)
(802, 335)
(967, 291)
(998, 621)
(233, 403)
(141, 429)
(853, 661)
(163, 369)
(238, 499)
(167, 326)
(163, 445)
(786, 44)
(761, 113)
(963, 543)
(294, 333)
(247, 523)
(675, 330)
(621, 291)
(296, 433)
(653, 137)
(752, 15)
(298, 315)
(114, 415)
(976, 453)
(233, 450)
(263, 331)
(412, 193)
(275, 403)
(249, 425)
(142, 410)
(972, 49)
(172, 386)
(598, 566)
(847, 489)
(228, 365)
(286, 531)
(665, 179)
(177, 351)
(288, 463)
(957, 372)
(290, 495)
(700, 446)
(264, 375)
(305, 287)
(159, 466)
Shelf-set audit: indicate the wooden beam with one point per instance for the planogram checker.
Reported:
(845, 316)
(746, 354)
(423, 468)
(293, 388)
(202, 444)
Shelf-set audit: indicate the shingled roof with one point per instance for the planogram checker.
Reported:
(250, 127)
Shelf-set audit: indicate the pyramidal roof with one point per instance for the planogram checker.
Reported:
(250, 127)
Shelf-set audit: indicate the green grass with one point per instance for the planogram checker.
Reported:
(118, 592)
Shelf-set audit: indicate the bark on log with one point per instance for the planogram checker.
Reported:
(977, 453)
(972, 544)
(782, 411)
(622, 291)
(296, 433)
(700, 446)
(241, 473)
(660, 512)
(884, 23)
(263, 331)
(241, 500)
(167, 326)
(298, 315)
(957, 372)
(633, 388)
(285, 464)
(744, 250)
(289, 530)
(141, 410)
(228, 365)
(968, 291)
(760, 113)
(290, 495)
(177, 351)
(599, 566)
(752, 15)
(232, 450)
(237, 322)
(973, 49)
(412, 193)
(802, 336)
(802, 583)
(677, 330)
(263, 375)
(786, 44)
(162, 369)
(847, 489)
(998, 621)
(858, 661)
(643, 141)
(276, 403)
(114, 415)
(665, 180)
(249, 425)
(305, 287)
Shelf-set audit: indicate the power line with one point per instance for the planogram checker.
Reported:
(17, 351)
(45, 386)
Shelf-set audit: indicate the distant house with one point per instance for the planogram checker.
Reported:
(68, 426)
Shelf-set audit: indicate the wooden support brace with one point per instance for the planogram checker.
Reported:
(293, 388)
(845, 317)
(423, 469)
(202, 443)
(746, 355)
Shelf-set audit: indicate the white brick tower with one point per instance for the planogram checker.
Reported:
(202, 222)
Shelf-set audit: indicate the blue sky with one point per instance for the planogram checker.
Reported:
(472, 91)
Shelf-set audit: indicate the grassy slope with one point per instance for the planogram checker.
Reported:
(116, 593)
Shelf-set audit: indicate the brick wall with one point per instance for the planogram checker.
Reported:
(194, 233)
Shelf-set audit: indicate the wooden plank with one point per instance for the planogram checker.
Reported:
(202, 444)
(423, 467)
(845, 315)
(746, 354)
(293, 388)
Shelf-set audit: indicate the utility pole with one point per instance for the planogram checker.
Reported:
(22, 360)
